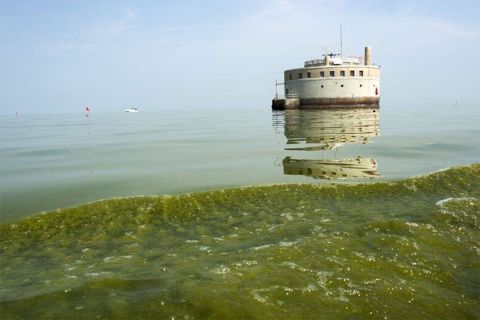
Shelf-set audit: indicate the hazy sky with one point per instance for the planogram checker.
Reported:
(62, 55)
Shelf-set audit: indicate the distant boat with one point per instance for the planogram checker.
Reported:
(131, 109)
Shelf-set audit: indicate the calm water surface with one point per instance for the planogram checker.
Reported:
(357, 239)
(54, 161)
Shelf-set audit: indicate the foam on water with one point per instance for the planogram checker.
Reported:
(441, 203)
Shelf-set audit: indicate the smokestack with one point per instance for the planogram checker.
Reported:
(368, 56)
(327, 59)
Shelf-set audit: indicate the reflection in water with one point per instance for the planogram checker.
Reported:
(358, 167)
(324, 130)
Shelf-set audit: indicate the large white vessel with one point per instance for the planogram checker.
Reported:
(333, 81)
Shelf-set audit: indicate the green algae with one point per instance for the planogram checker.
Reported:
(383, 250)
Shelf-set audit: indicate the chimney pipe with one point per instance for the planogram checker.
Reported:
(368, 56)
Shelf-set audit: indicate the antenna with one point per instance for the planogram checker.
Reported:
(341, 45)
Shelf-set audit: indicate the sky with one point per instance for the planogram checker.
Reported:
(58, 56)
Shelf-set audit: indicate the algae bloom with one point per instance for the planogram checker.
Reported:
(400, 250)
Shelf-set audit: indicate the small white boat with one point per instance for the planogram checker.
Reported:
(131, 109)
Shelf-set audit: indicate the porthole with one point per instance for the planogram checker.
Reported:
(341, 85)
(321, 86)
(360, 86)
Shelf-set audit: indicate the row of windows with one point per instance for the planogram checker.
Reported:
(361, 85)
(332, 74)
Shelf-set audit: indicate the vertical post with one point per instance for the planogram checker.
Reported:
(276, 91)
(341, 44)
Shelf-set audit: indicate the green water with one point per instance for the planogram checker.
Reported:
(390, 250)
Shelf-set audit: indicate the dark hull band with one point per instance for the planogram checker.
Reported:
(324, 103)
(339, 101)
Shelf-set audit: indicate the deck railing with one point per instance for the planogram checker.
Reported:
(335, 60)
(288, 96)
(291, 96)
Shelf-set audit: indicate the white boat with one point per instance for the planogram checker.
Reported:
(132, 109)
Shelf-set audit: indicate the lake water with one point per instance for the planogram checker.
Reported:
(55, 161)
(357, 238)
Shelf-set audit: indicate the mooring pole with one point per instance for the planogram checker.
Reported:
(276, 91)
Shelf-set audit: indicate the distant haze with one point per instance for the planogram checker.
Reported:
(59, 56)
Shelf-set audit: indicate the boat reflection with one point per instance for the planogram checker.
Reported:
(325, 131)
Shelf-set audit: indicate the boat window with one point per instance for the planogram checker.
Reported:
(309, 74)
(290, 76)
(321, 86)
(341, 85)
(332, 73)
(361, 73)
(300, 75)
(352, 73)
(322, 74)
(342, 73)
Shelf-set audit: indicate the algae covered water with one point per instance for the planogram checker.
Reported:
(388, 250)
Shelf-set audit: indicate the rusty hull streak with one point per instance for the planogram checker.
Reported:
(339, 101)
(326, 103)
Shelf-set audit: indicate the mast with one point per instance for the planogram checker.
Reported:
(341, 45)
